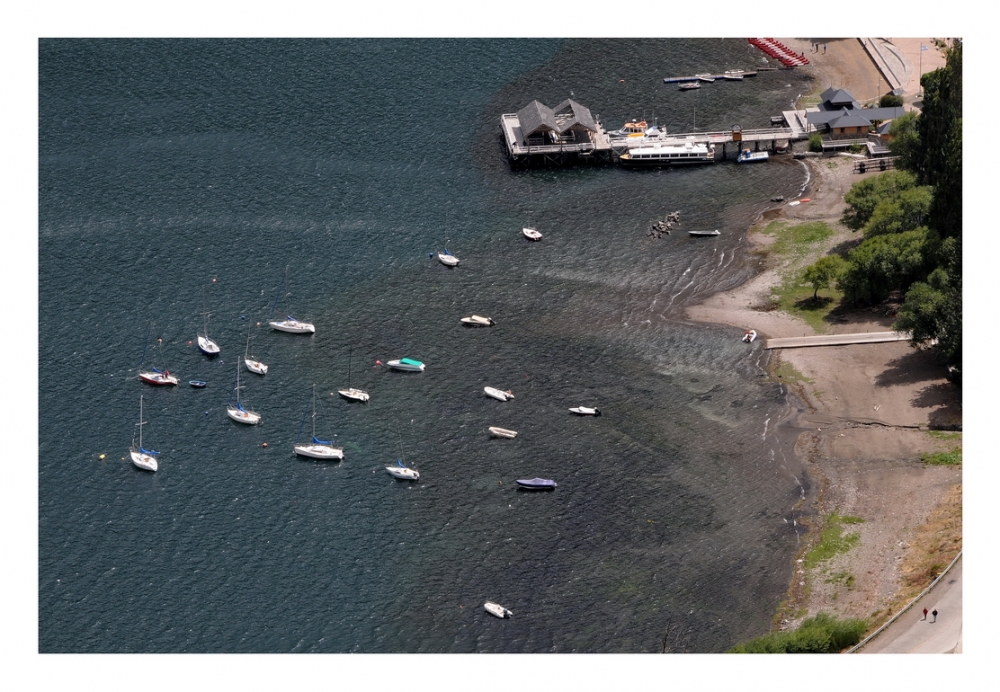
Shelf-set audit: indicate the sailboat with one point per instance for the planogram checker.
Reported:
(352, 393)
(290, 324)
(253, 365)
(143, 458)
(155, 375)
(205, 343)
(400, 470)
(236, 411)
(318, 449)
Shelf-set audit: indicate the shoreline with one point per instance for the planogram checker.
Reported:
(863, 411)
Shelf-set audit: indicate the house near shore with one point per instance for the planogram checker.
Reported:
(839, 115)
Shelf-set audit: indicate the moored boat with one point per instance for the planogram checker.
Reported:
(497, 610)
(352, 393)
(503, 432)
(158, 377)
(687, 86)
(536, 483)
(145, 459)
(747, 156)
(478, 321)
(317, 448)
(703, 233)
(585, 411)
(289, 324)
(448, 259)
(406, 365)
(197, 384)
(498, 393)
(750, 335)
(236, 411)
(669, 154)
(531, 234)
(403, 472)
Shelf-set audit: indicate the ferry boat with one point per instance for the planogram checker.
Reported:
(662, 154)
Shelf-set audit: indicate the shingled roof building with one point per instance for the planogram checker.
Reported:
(840, 115)
(569, 121)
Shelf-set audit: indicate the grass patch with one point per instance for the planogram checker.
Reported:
(952, 458)
(843, 578)
(942, 435)
(787, 373)
(792, 246)
(833, 540)
(822, 634)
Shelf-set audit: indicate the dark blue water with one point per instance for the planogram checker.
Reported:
(184, 176)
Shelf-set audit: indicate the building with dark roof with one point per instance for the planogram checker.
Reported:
(569, 121)
(840, 115)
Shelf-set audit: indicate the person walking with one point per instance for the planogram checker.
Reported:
(925, 614)
(934, 613)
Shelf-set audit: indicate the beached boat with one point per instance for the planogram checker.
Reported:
(585, 411)
(253, 365)
(406, 365)
(702, 234)
(531, 234)
(750, 335)
(288, 324)
(352, 393)
(477, 321)
(236, 411)
(669, 154)
(448, 259)
(687, 86)
(145, 459)
(497, 610)
(317, 448)
(536, 483)
(498, 393)
(747, 156)
(503, 432)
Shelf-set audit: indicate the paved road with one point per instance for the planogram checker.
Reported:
(911, 634)
(836, 339)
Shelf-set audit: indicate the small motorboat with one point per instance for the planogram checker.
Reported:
(536, 483)
(448, 259)
(158, 377)
(497, 610)
(531, 234)
(750, 335)
(197, 384)
(747, 156)
(686, 86)
(292, 326)
(702, 234)
(585, 411)
(406, 365)
(402, 472)
(498, 393)
(354, 394)
(478, 321)
(503, 432)
(705, 77)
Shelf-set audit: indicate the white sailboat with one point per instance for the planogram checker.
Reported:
(290, 324)
(143, 458)
(253, 365)
(401, 470)
(236, 411)
(155, 376)
(352, 393)
(205, 343)
(317, 448)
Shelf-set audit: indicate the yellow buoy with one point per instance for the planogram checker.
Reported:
(101, 457)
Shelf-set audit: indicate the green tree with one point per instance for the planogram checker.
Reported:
(905, 142)
(865, 195)
(883, 264)
(890, 101)
(824, 272)
(904, 211)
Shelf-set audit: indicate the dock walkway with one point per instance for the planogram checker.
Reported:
(836, 339)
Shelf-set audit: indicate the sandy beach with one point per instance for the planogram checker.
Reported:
(865, 411)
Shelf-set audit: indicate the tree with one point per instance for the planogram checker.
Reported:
(824, 272)
(905, 142)
(865, 195)
(883, 264)
(902, 212)
(890, 101)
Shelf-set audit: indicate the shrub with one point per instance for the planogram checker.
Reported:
(815, 142)
(822, 634)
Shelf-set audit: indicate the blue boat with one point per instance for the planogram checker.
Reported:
(537, 483)
(197, 384)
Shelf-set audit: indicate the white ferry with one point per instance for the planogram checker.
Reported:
(662, 154)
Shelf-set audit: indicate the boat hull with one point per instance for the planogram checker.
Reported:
(536, 484)
(245, 417)
(403, 473)
(354, 394)
(197, 384)
(314, 451)
(477, 321)
(531, 234)
(255, 366)
(503, 432)
(585, 411)
(448, 260)
(293, 326)
(207, 346)
(158, 378)
(146, 462)
(497, 610)
(497, 393)
(405, 367)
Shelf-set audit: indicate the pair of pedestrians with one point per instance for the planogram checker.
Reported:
(933, 612)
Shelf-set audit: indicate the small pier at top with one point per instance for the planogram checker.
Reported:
(568, 135)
